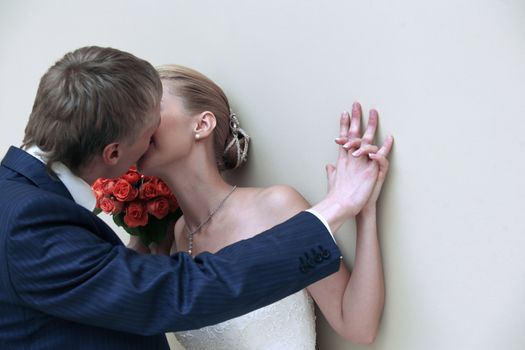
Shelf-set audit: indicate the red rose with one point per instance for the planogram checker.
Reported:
(103, 187)
(108, 186)
(110, 206)
(174, 205)
(158, 207)
(98, 188)
(132, 176)
(162, 188)
(136, 215)
(123, 191)
(148, 190)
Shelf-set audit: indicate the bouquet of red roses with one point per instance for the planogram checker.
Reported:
(142, 205)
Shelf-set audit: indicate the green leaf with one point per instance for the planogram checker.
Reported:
(119, 219)
(154, 231)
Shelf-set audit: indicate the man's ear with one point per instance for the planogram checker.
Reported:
(206, 123)
(111, 153)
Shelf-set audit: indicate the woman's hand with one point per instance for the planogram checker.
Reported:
(136, 244)
(164, 246)
(381, 158)
(351, 180)
(365, 147)
(161, 248)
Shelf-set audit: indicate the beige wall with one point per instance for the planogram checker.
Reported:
(448, 78)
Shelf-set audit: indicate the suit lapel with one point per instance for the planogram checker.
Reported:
(34, 170)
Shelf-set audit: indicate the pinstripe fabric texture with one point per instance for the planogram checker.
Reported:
(67, 282)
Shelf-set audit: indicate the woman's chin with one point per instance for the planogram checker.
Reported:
(143, 166)
(146, 167)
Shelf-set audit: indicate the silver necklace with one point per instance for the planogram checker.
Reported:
(198, 228)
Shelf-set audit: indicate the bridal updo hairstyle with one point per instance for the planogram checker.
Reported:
(199, 94)
(91, 97)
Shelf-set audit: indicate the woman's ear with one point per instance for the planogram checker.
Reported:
(111, 153)
(206, 123)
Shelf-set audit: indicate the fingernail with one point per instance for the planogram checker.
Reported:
(355, 106)
(345, 147)
(356, 153)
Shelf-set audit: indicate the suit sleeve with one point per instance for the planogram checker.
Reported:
(59, 266)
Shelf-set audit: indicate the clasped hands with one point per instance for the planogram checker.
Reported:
(355, 181)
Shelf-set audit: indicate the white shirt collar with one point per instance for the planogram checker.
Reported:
(79, 189)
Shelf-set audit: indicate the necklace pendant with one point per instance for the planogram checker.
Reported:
(191, 233)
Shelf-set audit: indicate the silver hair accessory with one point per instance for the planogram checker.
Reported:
(236, 130)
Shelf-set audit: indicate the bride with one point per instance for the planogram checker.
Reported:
(198, 138)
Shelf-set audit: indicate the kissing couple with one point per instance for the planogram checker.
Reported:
(265, 253)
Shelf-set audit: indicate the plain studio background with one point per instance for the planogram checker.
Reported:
(448, 78)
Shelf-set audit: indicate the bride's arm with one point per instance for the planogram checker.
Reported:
(353, 303)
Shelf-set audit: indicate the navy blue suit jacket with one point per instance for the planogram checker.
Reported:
(67, 281)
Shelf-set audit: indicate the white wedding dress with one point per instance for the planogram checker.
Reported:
(288, 324)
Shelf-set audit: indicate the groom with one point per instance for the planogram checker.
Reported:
(66, 280)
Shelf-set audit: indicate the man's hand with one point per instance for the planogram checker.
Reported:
(353, 178)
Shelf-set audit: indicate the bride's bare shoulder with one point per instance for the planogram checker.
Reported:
(281, 199)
